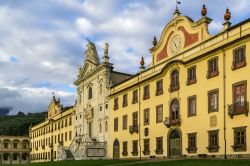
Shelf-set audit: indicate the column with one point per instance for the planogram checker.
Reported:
(11, 158)
(1, 158)
(20, 158)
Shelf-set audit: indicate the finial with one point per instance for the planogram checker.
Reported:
(154, 41)
(204, 11)
(177, 12)
(53, 95)
(142, 64)
(106, 50)
(227, 15)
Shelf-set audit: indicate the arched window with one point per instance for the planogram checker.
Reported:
(90, 93)
(106, 126)
(174, 80)
(174, 110)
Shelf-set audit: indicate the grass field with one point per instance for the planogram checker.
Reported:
(147, 163)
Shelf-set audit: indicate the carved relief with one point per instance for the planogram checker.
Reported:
(89, 113)
(213, 121)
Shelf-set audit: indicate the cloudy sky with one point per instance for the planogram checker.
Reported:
(42, 41)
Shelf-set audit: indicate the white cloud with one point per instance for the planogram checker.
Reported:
(85, 26)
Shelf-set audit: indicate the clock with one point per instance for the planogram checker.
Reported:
(175, 44)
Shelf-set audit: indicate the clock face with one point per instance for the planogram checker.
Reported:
(175, 45)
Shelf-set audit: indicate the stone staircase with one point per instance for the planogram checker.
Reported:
(83, 147)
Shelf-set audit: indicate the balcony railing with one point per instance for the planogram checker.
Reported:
(133, 129)
(238, 108)
(169, 121)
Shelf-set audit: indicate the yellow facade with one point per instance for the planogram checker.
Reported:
(55, 132)
(220, 122)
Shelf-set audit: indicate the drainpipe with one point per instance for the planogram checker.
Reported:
(224, 103)
(139, 131)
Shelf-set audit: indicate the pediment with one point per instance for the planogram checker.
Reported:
(180, 34)
(87, 68)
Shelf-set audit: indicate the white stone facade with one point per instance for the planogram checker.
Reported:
(92, 106)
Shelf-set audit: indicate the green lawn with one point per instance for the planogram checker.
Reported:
(147, 163)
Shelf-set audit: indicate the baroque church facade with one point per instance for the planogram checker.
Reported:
(91, 119)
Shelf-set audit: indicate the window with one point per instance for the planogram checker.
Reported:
(125, 122)
(125, 100)
(192, 106)
(159, 113)
(239, 139)
(70, 121)
(115, 124)
(90, 129)
(106, 126)
(6, 145)
(192, 143)
(134, 128)
(15, 145)
(213, 99)
(66, 122)
(239, 58)
(125, 148)
(90, 93)
(100, 89)
(146, 94)
(106, 106)
(146, 146)
(70, 135)
(159, 147)
(174, 112)
(213, 141)
(135, 148)
(213, 68)
(240, 104)
(61, 125)
(116, 104)
(146, 116)
(174, 82)
(135, 118)
(66, 136)
(135, 97)
(191, 75)
(5, 156)
(159, 88)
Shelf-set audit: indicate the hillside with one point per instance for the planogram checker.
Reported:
(18, 125)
